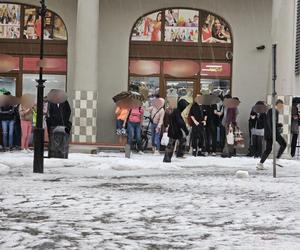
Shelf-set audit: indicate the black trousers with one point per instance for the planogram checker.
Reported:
(171, 146)
(220, 131)
(269, 145)
(198, 137)
(257, 145)
(294, 144)
(211, 138)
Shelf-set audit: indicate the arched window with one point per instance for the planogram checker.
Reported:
(20, 30)
(180, 52)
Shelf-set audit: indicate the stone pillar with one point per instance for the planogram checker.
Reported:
(283, 34)
(86, 72)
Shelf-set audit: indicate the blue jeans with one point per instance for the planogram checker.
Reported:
(8, 129)
(134, 132)
(155, 137)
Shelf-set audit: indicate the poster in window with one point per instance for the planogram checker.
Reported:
(10, 21)
(215, 30)
(148, 28)
(181, 25)
(32, 24)
(59, 29)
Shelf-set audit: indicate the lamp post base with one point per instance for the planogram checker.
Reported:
(38, 163)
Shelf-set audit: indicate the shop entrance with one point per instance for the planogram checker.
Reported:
(176, 89)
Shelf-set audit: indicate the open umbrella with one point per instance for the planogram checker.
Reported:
(27, 100)
(128, 99)
(57, 96)
(231, 102)
(207, 99)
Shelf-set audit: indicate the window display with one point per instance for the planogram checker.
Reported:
(10, 20)
(215, 30)
(181, 25)
(54, 26)
(148, 28)
(217, 86)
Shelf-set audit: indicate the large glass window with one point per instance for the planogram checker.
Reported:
(181, 25)
(10, 20)
(8, 84)
(53, 82)
(217, 86)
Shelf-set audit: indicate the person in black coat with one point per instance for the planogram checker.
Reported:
(59, 127)
(211, 129)
(59, 115)
(268, 134)
(256, 129)
(175, 131)
(198, 121)
(7, 117)
(294, 128)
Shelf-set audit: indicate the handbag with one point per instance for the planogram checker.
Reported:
(230, 138)
(165, 139)
(239, 141)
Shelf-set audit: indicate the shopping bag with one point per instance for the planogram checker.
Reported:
(165, 139)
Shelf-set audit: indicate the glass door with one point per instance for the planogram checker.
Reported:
(176, 89)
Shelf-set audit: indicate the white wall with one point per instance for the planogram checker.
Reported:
(251, 25)
(67, 10)
(283, 33)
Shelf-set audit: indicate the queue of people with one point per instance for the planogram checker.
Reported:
(18, 120)
(211, 129)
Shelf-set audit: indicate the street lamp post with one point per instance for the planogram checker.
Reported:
(38, 163)
(274, 94)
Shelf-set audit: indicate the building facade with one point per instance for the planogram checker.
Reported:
(165, 44)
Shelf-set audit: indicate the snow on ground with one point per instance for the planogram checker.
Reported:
(109, 202)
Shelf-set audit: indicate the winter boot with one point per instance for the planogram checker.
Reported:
(194, 152)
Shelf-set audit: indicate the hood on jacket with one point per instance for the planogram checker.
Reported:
(182, 104)
(159, 103)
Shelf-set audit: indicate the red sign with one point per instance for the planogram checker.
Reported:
(144, 67)
(50, 64)
(181, 68)
(8, 63)
(215, 69)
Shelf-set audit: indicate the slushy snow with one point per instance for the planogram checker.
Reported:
(108, 202)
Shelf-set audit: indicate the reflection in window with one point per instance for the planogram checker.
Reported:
(176, 90)
(181, 25)
(217, 86)
(148, 28)
(53, 82)
(8, 84)
(215, 30)
(54, 26)
(10, 20)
